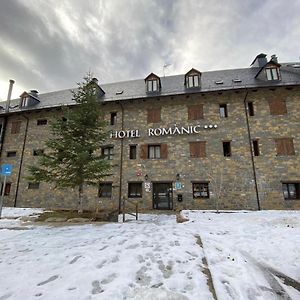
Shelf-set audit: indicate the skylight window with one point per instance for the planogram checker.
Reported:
(219, 82)
(119, 92)
(236, 80)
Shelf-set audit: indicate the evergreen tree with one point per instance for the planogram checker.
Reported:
(73, 154)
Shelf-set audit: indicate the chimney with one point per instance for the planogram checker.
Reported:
(34, 93)
(259, 61)
(11, 83)
(274, 58)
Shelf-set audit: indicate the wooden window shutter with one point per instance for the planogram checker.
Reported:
(154, 115)
(198, 149)
(277, 107)
(202, 148)
(289, 146)
(280, 146)
(15, 127)
(164, 151)
(144, 151)
(195, 112)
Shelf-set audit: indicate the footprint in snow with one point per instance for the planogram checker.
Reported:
(134, 246)
(109, 278)
(6, 296)
(99, 266)
(96, 287)
(74, 259)
(52, 278)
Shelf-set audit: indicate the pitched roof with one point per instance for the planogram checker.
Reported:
(173, 85)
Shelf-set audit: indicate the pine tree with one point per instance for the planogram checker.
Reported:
(73, 151)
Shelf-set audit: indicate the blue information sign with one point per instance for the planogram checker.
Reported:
(177, 185)
(6, 170)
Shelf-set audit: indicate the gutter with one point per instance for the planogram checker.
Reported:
(21, 161)
(251, 151)
(121, 160)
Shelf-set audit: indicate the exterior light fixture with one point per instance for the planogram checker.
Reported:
(177, 176)
(146, 177)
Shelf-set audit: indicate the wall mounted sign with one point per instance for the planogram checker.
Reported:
(177, 185)
(173, 130)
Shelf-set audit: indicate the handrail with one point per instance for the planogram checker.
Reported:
(130, 202)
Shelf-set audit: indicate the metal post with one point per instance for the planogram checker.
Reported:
(2, 195)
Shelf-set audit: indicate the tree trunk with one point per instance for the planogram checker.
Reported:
(80, 202)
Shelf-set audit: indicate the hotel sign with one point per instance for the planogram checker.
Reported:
(174, 130)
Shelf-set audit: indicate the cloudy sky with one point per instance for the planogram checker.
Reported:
(50, 45)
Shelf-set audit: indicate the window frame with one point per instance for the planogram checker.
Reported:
(113, 118)
(130, 152)
(15, 127)
(223, 106)
(156, 148)
(202, 184)
(288, 185)
(41, 122)
(193, 80)
(272, 73)
(224, 143)
(138, 185)
(11, 154)
(255, 146)
(107, 193)
(151, 86)
(250, 106)
(33, 185)
(110, 154)
(286, 144)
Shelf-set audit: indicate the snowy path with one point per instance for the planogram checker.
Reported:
(155, 259)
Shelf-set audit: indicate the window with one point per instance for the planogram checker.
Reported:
(200, 190)
(105, 190)
(198, 149)
(255, 147)
(41, 122)
(250, 109)
(24, 101)
(277, 107)
(11, 154)
(195, 112)
(154, 151)
(15, 127)
(193, 81)
(108, 152)
(153, 115)
(132, 152)
(33, 185)
(38, 152)
(223, 111)
(134, 190)
(272, 73)
(291, 190)
(7, 188)
(226, 149)
(113, 118)
(285, 146)
(152, 85)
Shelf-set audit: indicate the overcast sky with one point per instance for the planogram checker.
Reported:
(49, 45)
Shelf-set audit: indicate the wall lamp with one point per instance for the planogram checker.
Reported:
(146, 177)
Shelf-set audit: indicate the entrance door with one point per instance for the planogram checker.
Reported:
(162, 195)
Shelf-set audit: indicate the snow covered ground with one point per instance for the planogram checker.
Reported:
(153, 258)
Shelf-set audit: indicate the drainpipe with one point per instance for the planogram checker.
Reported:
(251, 151)
(121, 160)
(21, 161)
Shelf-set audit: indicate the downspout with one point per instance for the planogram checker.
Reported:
(21, 161)
(3, 128)
(251, 152)
(121, 160)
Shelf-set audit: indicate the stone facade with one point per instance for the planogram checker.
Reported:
(239, 181)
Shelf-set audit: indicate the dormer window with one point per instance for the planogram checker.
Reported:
(152, 85)
(272, 73)
(24, 101)
(192, 79)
